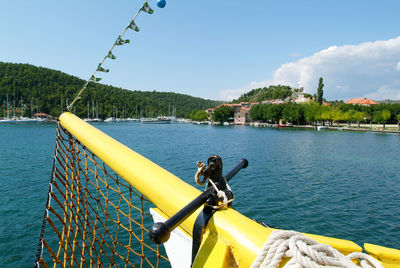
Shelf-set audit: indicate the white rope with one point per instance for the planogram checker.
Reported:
(306, 252)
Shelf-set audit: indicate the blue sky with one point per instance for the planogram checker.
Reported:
(214, 49)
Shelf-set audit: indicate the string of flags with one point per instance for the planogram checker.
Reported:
(119, 42)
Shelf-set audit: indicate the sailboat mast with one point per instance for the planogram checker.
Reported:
(8, 109)
(22, 107)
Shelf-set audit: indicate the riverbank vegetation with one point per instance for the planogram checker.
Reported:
(34, 89)
(223, 114)
(314, 113)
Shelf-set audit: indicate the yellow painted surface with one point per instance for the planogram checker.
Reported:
(230, 234)
(388, 256)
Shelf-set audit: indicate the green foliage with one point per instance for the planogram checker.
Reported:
(270, 93)
(381, 116)
(256, 113)
(198, 115)
(49, 91)
(222, 114)
(292, 112)
(272, 112)
(320, 91)
(312, 112)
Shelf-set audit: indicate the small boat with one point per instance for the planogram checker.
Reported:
(158, 120)
(97, 119)
(226, 124)
(322, 127)
(110, 119)
(183, 121)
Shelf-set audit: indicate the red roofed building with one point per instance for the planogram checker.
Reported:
(361, 101)
(41, 115)
(241, 112)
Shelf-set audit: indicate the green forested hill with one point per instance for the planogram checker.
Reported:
(266, 93)
(46, 90)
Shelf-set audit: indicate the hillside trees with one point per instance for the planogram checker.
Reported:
(266, 93)
(38, 89)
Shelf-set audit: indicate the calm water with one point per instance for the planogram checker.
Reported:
(341, 184)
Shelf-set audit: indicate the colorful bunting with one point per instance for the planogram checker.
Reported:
(101, 69)
(133, 26)
(110, 55)
(95, 79)
(146, 8)
(121, 42)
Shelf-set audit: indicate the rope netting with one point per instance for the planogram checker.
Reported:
(93, 217)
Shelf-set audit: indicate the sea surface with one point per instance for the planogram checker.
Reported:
(340, 184)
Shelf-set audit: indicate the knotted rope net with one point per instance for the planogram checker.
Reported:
(93, 218)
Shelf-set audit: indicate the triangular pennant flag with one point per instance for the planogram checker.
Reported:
(111, 56)
(101, 69)
(133, 26)
(95, 79)
(146, 8)
(121, 42)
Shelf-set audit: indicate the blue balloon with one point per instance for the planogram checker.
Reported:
(161, 3)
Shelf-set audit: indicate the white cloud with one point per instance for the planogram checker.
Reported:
(384, 93)
(230, 94)
(366, 70)
(348, 71)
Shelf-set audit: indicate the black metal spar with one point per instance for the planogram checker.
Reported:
(160, 231)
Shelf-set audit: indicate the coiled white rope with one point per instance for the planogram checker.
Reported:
(306, 252)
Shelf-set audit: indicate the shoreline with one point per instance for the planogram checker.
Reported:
(376, 128)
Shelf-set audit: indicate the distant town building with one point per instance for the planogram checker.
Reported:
(361, 101)
(210, 111)
(41, 116)
(298, 96)
(241, 112)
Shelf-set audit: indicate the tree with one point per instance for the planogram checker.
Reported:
(327, 114)
(337, 116)
(272, 112)
(398, 121)
(222, 114)
(359, 116)
(311, 112)
(256, 112)
(349, 116)
(291, 112)
(320, 92)
(382, 117)
(198, 115)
